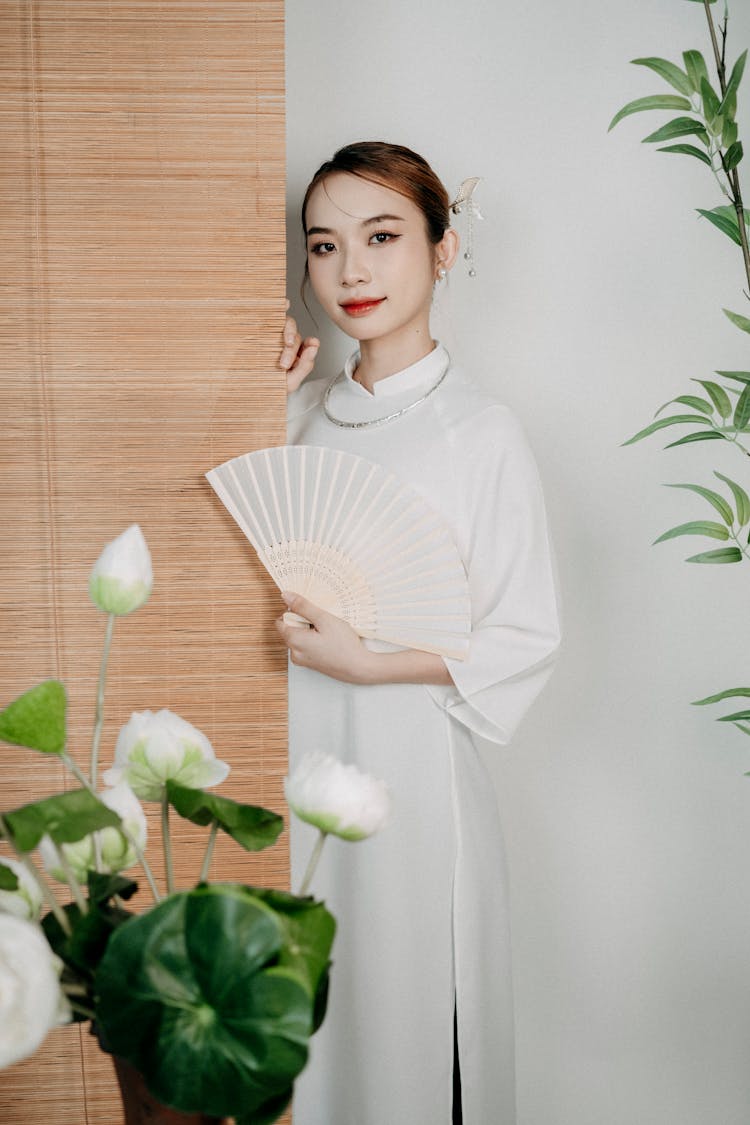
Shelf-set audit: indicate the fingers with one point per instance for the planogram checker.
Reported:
(304, 364)
(291, 342)
(297, 356)
(299, 605)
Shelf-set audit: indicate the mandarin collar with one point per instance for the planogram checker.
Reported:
(417, 377)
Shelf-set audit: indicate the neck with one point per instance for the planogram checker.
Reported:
(386, 356)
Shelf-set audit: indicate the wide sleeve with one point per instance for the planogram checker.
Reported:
(515, 621)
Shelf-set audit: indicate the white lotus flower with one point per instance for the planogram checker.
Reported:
(154, 747)
(26, 900)
(117, 853)
(31, 1001)
(122, 576)
(336, 798)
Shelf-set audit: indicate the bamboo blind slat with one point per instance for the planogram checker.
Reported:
(142, 233)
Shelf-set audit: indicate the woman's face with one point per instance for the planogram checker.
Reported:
(372, 266)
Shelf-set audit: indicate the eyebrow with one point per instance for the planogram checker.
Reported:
(365, 223)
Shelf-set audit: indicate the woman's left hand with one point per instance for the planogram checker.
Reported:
(330, 646)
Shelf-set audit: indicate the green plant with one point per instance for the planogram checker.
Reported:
(721, 412)
(212, 993)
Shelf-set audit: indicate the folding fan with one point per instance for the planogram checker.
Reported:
(349, 536)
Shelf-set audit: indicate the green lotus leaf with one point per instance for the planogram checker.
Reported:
(8, 879)
(65, 818)
(193, 995)
(36, 719)
(252, 827)
(83, 948)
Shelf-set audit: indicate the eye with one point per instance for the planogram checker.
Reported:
(322, 248)
(380, 237)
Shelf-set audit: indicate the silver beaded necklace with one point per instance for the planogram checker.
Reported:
(386, 417)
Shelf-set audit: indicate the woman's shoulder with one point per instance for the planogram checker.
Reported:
(472, 405)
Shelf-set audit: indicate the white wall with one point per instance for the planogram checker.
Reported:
(598, 297)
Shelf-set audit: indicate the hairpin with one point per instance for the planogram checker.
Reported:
(465, 197)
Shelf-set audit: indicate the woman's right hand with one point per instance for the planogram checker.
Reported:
(297, 356)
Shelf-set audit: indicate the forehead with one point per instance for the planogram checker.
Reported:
(345, 200)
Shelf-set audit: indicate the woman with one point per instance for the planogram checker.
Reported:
(422, 944)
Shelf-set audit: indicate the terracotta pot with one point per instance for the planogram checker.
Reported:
(142, 1108)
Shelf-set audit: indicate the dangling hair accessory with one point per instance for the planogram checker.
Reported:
(465, 198)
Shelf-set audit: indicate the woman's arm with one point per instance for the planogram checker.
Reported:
(332, 647)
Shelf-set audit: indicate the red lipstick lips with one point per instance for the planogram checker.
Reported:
(361, 308)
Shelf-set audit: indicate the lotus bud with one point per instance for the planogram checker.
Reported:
(153, 748)
(337, 798)
(122, 576)
(116, 851)
(26, 900)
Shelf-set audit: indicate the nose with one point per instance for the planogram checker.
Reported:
(354, 269)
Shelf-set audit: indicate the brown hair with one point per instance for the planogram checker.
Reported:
(394, 167)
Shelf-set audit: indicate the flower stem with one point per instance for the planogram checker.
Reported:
(203, 877)
(312, 865)
(128, 835)
(99, 713)
(73, 883)
(30, 866)
(167, 844)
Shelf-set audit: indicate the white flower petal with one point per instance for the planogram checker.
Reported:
(337, 798)
(30, 995)
(26, 900)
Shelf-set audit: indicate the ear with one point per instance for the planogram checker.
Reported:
(446, 251)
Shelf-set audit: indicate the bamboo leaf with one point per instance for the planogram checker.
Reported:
(711, 100)
(728, 133)
(739, 376)
(718, 396)
(720, 555)
(725, 218)
(689, 400)
(687, 150)
(653, 101)
(669, 72)
(728, 693)
(673, 420)
(715, 500)
(742, 409)
(696, 68)
(677, 127)
(706, 435)
(737, 717)
(741, 498)
(695, 527)
(742, 322)
(736, 76)
(733, 155)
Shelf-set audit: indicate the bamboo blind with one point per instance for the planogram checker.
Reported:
(142, 202)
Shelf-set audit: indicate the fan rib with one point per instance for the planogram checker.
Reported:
(348, 535)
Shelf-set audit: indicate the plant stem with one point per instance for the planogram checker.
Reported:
(73, 883)
(30, 866)
(99, 713)
(733, 175)
(203, 877)
(313, 861)
(128, 835)
(167, 843)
